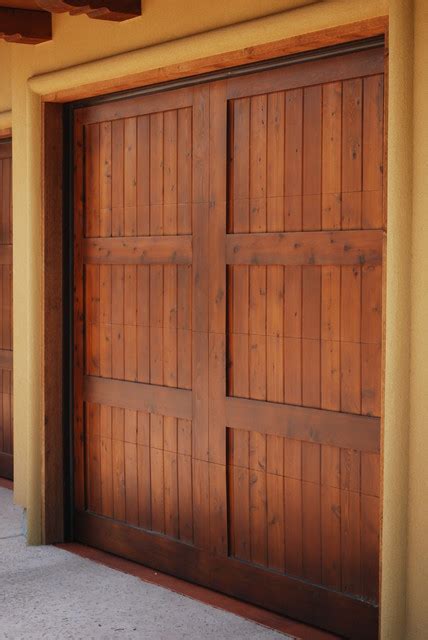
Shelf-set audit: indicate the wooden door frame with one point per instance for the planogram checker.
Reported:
(6, 464)
(56, 526)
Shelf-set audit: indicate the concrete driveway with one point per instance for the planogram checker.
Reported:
(49, 593)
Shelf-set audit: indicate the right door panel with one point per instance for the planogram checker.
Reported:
(305, 328)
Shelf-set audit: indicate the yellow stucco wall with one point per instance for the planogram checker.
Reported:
(397, 334)
(77, 56)
(5, 87)
(417, 564)
(5, 78)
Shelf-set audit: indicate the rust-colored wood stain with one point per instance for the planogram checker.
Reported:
(227, 319)
(6, 339)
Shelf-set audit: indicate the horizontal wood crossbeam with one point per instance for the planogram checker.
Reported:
(153, 103)
(283, 594)
(6, 254)
(166, 401)
(346, 430)
(305, 248)
(354, 65)
(25, 26)
(115, 10)
(6, 359)
(142, 250)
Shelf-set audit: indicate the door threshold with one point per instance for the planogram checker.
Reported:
(297, 630)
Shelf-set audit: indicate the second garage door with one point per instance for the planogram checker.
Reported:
(228, 305)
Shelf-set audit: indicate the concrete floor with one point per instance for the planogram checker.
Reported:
(47, 593)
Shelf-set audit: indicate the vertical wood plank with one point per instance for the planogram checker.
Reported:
(171, 493)
(331, 155)
(311, 327)
(373, 110)
(293, 335)
(117, 222)
(106, 462)
(131, 483)
(351, 337)
(185, 498)
(105, 172)
(118, 470)
(293, 507)
(293, 159)
(352, 154)
(92, 178)
(330, 338)
(130, 176)
(312, 147)
(330, 517)
(143, 175)
(311, 511)
(157, 489)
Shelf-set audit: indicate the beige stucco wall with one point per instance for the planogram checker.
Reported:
(5, 87)
(397, 334)
(5, 78)
(75, 56)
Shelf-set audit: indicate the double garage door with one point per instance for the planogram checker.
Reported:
(227, 334)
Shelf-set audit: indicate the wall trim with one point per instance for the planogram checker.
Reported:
(6, 124)
(67, 85)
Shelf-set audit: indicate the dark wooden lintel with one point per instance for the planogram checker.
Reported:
(25, 26)
(115, 10)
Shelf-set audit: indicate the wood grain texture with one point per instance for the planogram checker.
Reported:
(305, 248)
(312, 425)
(132, 395)
(149, 250)
(6, 302)
(231, 306)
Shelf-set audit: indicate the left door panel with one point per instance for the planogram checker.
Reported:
(6, 341)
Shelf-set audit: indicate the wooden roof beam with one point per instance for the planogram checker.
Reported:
(115, 10)
(25, 26)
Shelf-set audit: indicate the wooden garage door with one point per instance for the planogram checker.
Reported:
(228, 305)
(6, 431)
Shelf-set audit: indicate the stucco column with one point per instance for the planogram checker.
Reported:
(397, 315)
(27, 296)
(417, 563)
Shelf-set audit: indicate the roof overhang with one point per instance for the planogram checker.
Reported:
(30, 21)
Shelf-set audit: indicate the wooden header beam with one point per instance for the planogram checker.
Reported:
(25, 26)
(32, 26)
(114, 10)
